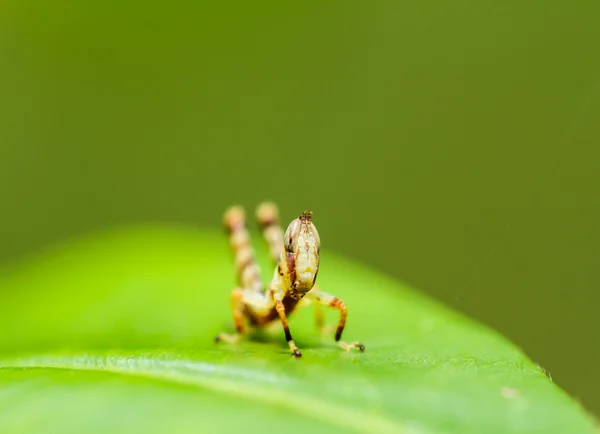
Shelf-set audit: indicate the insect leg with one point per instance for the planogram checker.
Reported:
(236, 307)
(267, 215)
(246, 302)
(248, 273)
(286, 328)
(319, 317)
(319, 313)
(335, 303)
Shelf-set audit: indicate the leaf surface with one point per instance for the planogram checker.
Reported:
(114, 333)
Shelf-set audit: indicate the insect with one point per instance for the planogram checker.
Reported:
(295, 254)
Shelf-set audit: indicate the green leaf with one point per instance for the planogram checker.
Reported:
(115, 334)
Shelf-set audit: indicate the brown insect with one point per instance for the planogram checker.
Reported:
(296, 257)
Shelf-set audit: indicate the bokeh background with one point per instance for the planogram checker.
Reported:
(453, 145)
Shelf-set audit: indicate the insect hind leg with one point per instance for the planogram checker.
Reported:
(236, 306)
(243, 300)
(247, 270)
(267, 216)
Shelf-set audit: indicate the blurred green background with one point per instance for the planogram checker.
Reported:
(453, 145)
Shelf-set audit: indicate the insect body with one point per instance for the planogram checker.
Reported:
(296, 257)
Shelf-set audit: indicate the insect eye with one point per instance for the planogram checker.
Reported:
(291, 234)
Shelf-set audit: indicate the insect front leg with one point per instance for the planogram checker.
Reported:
(335, 303)
(284, 322)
